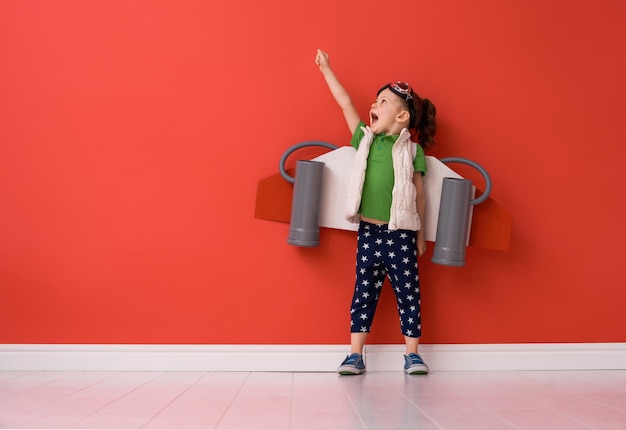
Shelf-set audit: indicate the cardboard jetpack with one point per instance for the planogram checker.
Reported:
(490, 223)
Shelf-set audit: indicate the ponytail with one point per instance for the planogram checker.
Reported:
(427, 125)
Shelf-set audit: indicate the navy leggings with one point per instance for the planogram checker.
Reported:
(393, 253)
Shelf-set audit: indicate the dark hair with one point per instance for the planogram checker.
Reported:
(427, 125)
(422, 112)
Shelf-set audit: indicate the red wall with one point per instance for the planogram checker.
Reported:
(133, 134)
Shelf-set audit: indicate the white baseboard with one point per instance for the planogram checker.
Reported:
(308, 358)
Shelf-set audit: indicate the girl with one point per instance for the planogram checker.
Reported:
(386, 197)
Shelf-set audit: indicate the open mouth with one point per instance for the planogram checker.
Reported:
(373, 118)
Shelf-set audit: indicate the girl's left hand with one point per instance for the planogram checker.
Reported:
(421, 245)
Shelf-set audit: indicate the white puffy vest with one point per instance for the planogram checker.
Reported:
(403, 213)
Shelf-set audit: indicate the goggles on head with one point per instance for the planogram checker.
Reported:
(402, 89)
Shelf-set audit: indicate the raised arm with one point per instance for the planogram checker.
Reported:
(338, 91)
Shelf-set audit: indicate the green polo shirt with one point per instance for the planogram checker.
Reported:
(379, 179)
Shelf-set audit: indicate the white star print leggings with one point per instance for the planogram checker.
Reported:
(393, 253)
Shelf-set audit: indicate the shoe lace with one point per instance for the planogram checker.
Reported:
(416, 359)
(351, 359)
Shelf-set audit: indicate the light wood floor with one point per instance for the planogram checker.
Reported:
(550, 400)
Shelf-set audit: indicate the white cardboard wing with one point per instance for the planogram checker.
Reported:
(338, 164)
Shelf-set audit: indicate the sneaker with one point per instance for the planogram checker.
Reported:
(414, 365)
(352, 365)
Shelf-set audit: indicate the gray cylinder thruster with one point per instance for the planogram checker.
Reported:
(307, 186)
(453, 220)
(304, 228)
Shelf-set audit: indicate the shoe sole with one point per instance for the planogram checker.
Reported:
(416, 372)
(350, 371)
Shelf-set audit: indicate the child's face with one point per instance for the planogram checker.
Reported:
(385, 113)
